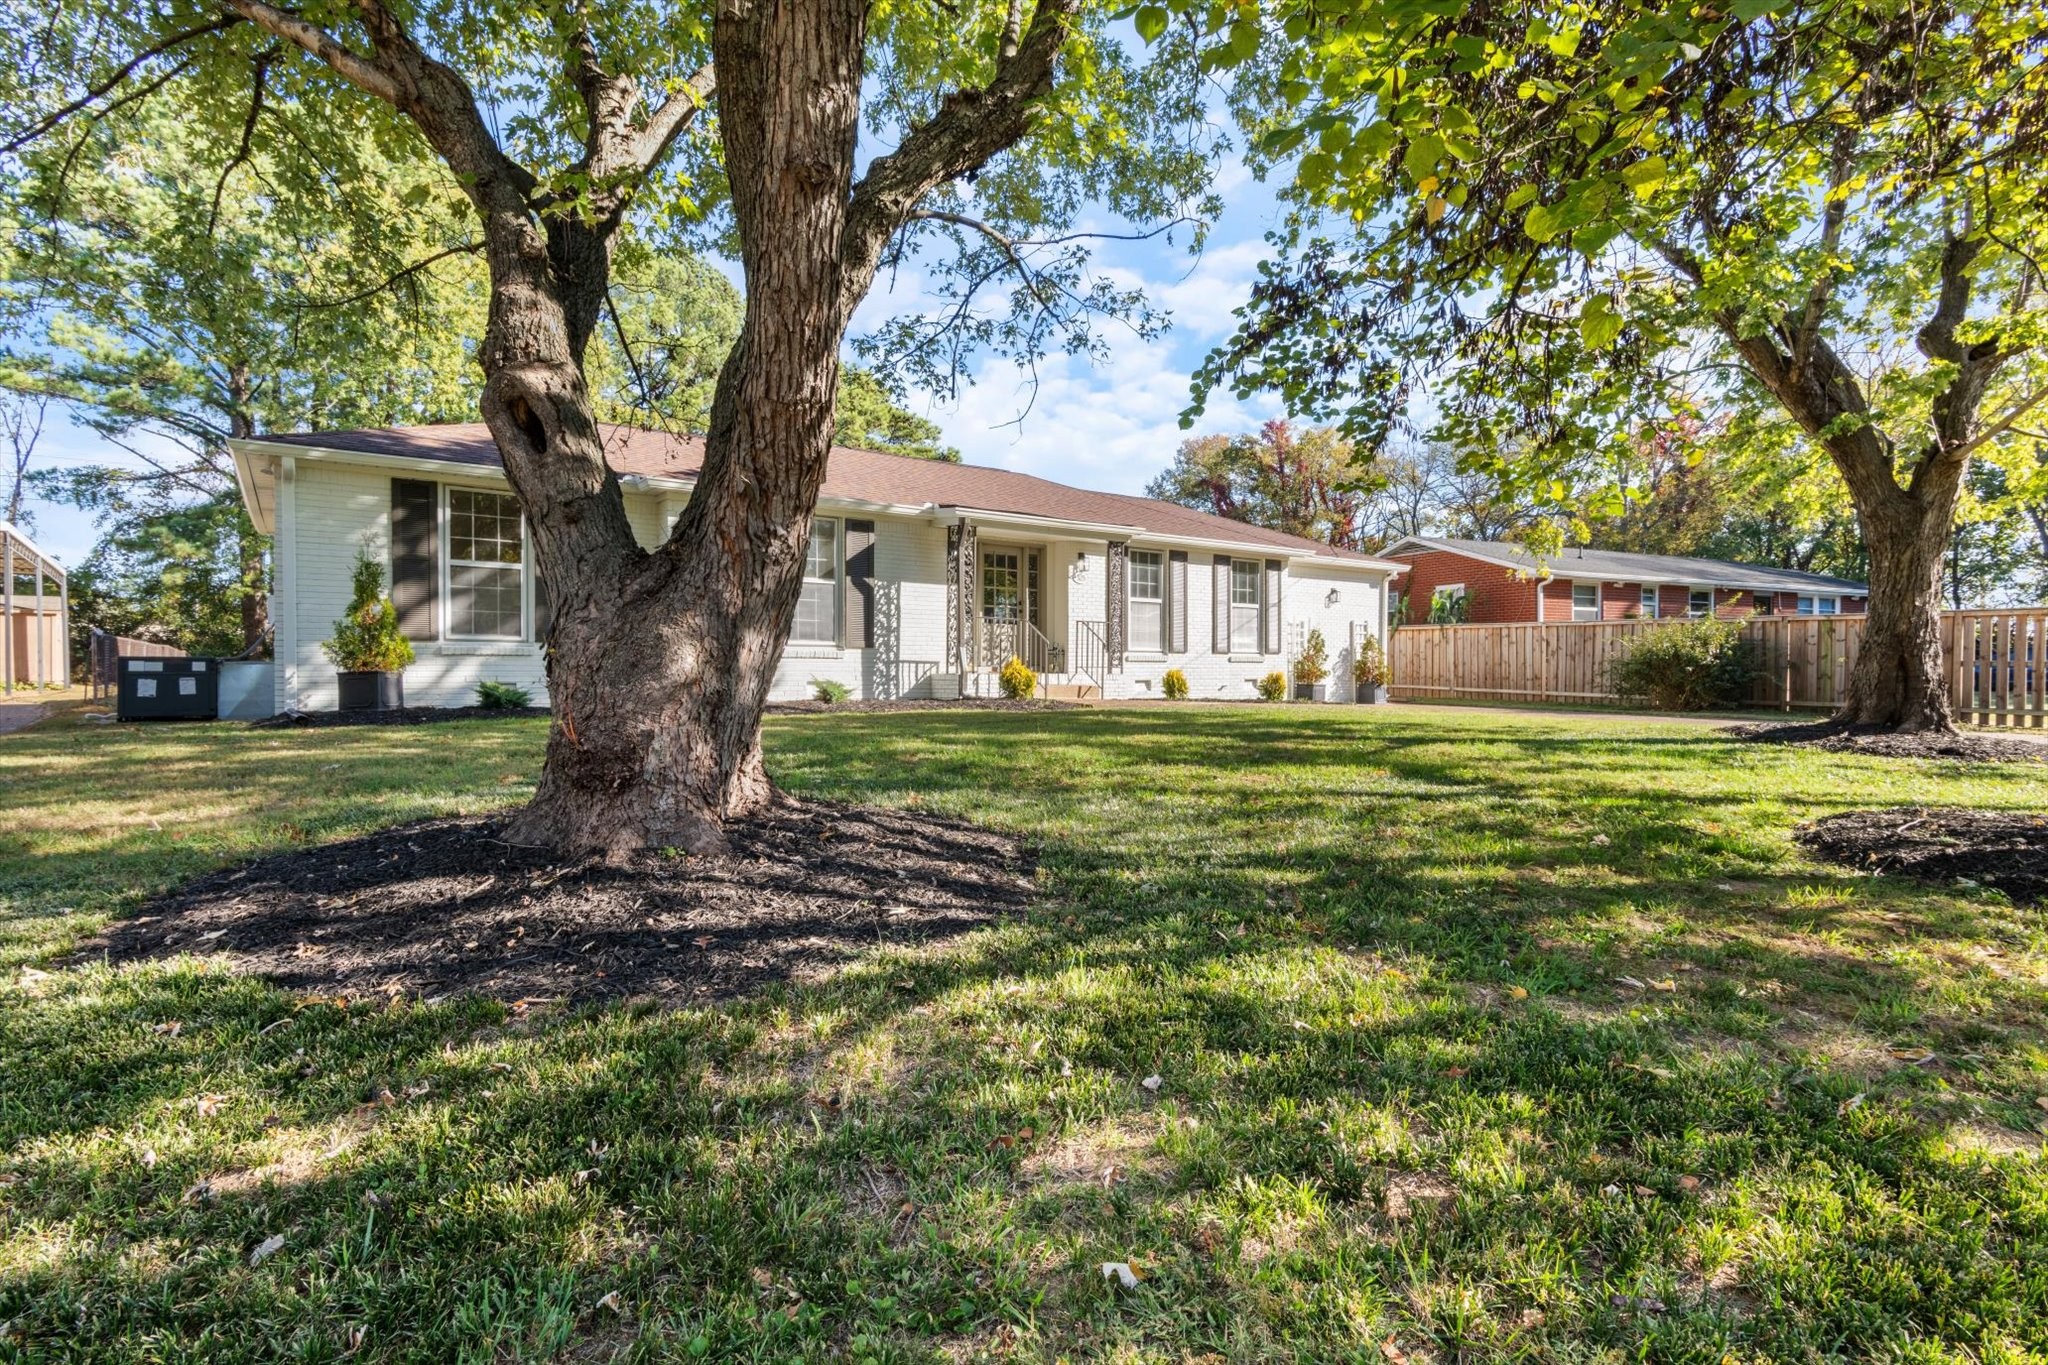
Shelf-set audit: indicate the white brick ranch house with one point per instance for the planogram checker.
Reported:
(923, 579)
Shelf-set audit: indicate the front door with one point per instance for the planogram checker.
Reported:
(1002, 606)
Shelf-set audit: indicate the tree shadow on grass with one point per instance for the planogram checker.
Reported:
(1333, 1027)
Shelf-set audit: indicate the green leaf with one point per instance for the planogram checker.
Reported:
(1748, 10)
(1543, 223)
(1647, 176)
(1151, 21)
(1599, 324)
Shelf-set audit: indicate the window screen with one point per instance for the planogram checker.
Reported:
(817, 609)
(1244, 606)
(1585, 601)
(486, 565)
(1700, 602)
(1148, 600)
(1649, 601)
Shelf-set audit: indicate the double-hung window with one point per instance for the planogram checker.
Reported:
(1585, 601)
(1244, 606)
(1650, 603)
(817, 609)
(486, 565)
(1148, 601)
(1820, 606)
(1699, 602)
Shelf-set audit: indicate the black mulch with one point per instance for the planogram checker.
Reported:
(2003, 849)
(1890, 744)
(403, 715)
(445, 908)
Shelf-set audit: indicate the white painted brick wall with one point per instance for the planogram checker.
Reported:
(337, 507)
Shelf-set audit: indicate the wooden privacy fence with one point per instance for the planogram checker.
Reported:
(105, 652)
(1994, 661)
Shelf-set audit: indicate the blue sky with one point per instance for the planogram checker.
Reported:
(1111, 425)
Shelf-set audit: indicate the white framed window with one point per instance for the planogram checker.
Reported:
(1585, 601)
(486, 566)
(817, 606)
(1650, 602)
(1148, 600)
(1244, 607)
(1699, 602)
(1820, 606)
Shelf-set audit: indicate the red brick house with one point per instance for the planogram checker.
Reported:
(1500, 581)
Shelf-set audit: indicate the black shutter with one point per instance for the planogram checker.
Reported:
(860, 585)
(1219, 641)
(1269, 607)
(1176, 601)
(416, 557)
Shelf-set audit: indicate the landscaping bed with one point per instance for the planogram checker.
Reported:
(447, 908)
(1891, 744)
(401, 715)
(2003, 849)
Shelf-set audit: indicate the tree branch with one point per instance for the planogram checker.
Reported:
(677, 112)
(261, 63)
(970, 127)
(361, 72)
(467, 248)
(106, 83)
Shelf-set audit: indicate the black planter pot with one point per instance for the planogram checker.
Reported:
(372, 691)
(1311, 691)
(1371, 694)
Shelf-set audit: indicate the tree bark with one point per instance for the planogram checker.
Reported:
(660, 666)
(1899, 682)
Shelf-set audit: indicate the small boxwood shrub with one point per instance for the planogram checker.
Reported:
(1687, 666)
(830, 690)
(1273, 687)
(1018, 682)
(502, 696)
(1174, 685)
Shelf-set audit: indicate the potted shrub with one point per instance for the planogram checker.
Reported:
(1369, 673)
(367, 647)
(1312, 668)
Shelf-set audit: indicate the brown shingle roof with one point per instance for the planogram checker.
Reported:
(853, 475)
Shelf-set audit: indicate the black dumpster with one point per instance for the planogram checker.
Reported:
(167, 689)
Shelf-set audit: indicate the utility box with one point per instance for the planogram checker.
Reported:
(167, 689)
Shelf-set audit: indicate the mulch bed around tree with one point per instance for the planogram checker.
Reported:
(2003, 849)
(1889, 744)
(445, 908)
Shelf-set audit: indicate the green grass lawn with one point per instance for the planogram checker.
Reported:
(1408, 1109)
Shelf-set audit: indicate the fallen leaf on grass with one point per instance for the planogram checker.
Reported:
(1391, 1349)
(1455, 1072)
(611, 1301)
(209, 1105)
(1916, 1056)
(1640, 1302)
(266, 1249)
(1850, 1105)
(1153, 1082)
(1667, 985)
(168, 1030)
(1518, 992)
(1689, 1183)
(2041, 1101)
(1125, 1273)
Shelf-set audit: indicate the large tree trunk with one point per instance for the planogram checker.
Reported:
(1899, 682)
(659, 664)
